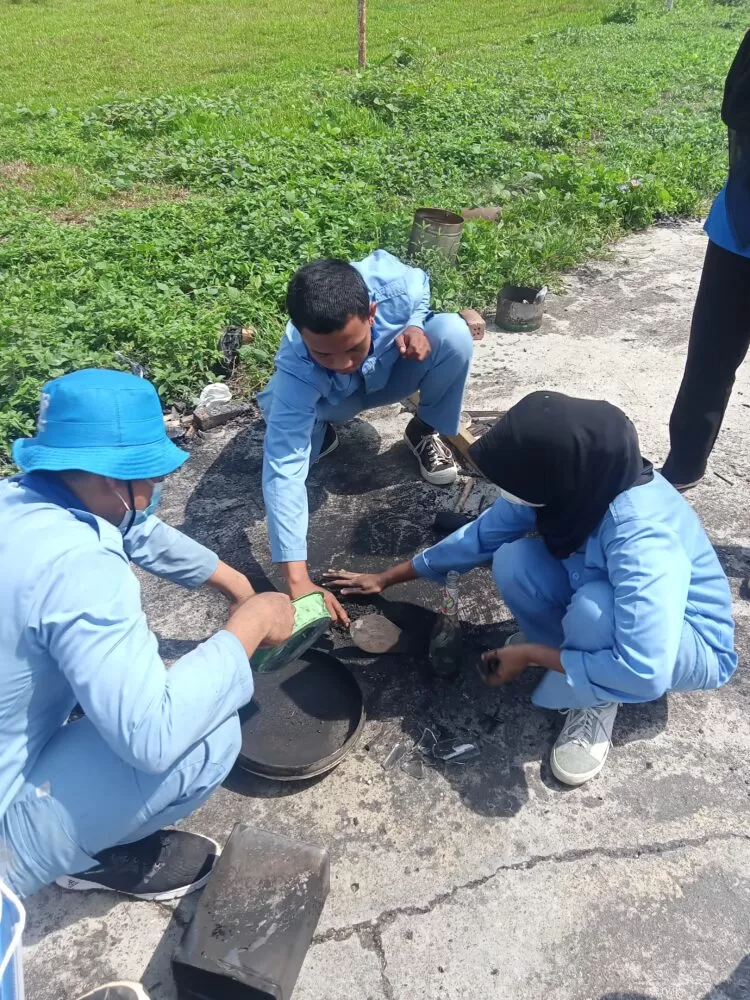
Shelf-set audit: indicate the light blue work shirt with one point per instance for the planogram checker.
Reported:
(719, 228)
(72, 629)
(402, 296)
(651, 547)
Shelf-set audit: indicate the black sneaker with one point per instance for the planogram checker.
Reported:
(435, 458)
(167, 865)
(117, 991)
(330, 443)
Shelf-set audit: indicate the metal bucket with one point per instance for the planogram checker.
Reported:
(303, 720)
(436, 229)
(517, 310)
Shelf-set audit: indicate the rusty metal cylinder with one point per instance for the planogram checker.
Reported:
(436, 229)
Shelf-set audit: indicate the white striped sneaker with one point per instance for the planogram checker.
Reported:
(581, 749)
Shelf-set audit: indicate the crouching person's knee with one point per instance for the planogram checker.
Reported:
(588, 624)
(216, 756)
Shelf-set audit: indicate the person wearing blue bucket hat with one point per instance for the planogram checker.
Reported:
(89, 803)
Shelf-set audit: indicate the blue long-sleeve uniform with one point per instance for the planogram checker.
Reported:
(72, 629)
(302, 395)
(659, 612)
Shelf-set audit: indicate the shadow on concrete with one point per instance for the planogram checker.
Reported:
(157, 976)
(737, 987)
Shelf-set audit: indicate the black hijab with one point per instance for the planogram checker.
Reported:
(735, 111)
(572, 455)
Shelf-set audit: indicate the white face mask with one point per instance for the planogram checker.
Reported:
(517, 500)
(130, 518)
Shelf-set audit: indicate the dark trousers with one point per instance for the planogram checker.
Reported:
(719, 339)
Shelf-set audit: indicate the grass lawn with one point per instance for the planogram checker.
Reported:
(72, 51)
(165, 166)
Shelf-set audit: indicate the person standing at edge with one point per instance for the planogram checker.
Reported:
(720, 331)
(87, 802)
(360, 336)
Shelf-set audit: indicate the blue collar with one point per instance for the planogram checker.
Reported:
(50, 487)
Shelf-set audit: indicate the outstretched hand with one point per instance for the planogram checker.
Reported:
(355, 583)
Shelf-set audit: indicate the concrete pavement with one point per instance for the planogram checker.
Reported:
(487, 880)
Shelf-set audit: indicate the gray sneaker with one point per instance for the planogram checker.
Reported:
(581, 748)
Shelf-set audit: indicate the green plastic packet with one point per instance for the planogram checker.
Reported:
(311, 621)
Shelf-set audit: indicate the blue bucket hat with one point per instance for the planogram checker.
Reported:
(106, 422)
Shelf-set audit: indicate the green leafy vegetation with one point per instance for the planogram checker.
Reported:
(139, 225)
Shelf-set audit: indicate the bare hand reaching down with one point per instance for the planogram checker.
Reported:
(355, 583)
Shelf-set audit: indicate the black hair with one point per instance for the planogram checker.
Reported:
(323, 295)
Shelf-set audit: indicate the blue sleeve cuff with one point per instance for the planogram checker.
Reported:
(575, 671)
(423, 569)
(204, 569)
(229, 646)
(288, 555)
(167, 552)
(419, 318)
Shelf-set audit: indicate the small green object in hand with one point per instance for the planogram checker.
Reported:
(311, 621)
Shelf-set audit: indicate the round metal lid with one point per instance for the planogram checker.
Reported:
(303, 720)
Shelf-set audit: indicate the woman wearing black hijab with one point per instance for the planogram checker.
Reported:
(619, 594)
(720, 330)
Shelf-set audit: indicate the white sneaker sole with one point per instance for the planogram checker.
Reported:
(135, 988)
(444, 478)
(574, 780)
(73, 884)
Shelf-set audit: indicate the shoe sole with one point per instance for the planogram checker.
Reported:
(329, 450)
(574, 780)
(685, 487)
(136, 989)
(83, 885)
(444, 478)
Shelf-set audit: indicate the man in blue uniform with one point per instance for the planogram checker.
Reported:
(360, 336)
(87, 802)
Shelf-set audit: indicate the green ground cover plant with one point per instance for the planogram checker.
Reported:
(137, 225)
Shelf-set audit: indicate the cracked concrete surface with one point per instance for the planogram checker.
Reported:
(487, 880)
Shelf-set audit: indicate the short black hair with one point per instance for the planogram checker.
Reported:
(324, 295)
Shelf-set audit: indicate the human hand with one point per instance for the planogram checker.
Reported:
(335, 610)
(507, 664)
(413, 344)
(475, 322)
(355, 583)
(262, 620)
